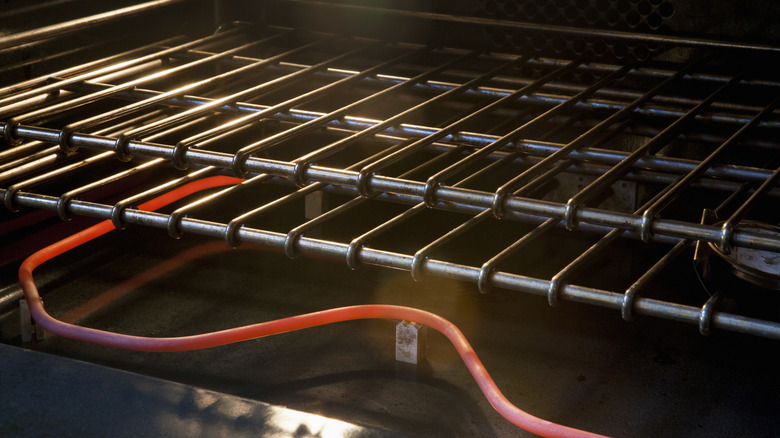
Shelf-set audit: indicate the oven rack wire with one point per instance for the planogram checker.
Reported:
(212, 339)
(181, 108)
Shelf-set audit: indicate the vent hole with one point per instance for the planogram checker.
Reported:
(666, 10)
(654, 20)
(644, 8)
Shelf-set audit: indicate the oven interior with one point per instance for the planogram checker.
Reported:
(587, 189)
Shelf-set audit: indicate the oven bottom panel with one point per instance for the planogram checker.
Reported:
(39, 392)
(648, 378)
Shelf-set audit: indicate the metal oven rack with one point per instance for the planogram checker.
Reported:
(465, 164)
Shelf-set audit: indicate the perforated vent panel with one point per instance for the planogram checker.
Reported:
(628, 15)
(640, 15)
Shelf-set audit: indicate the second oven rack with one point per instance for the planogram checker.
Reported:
(457, 140)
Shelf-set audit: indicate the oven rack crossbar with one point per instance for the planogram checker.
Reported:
(140, 132)
(724, 113)
(475, 139)
(588, 160)
(724, 173)
(661, 170)
(378, 183)
(613, 98)
(629, 303)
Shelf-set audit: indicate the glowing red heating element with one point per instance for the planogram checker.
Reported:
(253, 331)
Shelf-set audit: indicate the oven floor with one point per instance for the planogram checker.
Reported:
(46, 395)
(578, 365)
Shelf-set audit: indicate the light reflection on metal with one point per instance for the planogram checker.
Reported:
(758, 267)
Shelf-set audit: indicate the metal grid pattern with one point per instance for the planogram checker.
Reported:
(641, 15)
(444, 162)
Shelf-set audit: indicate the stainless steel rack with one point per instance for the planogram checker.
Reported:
(475, 137)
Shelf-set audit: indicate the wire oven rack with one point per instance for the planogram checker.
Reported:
(442, 161)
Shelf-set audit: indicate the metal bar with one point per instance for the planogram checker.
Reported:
(471, 198)
(586, 157)
(471, 210)
(33, 64)
(727, 229)
(8, 198)
(653, 69)
(548, 99)
(231, 230)
(81, 23)
(175, 219)
(295, 233)
(89, 98)
(504, 85)
(554, 86)
(558, 280)
(183, 145)
(434, 181)
(670, 192)
(549, 28)
(643, 306)
(650, 147)
(630, 295)
(67, 197)
(18, 93)
(487, 268)
(55, 153)
(30, 157)
(304, 162)
(236, 223)
(86, 67)
(272, 110)
(368, 172)
(357, 244)
(421, 256)
(35, 202)
(669, 164)
(514, 183)
(149, 102)
(121, 144)
(275, 139)
(118, 211)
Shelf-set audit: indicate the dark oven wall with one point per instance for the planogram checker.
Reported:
(604, 28)
(723, 20)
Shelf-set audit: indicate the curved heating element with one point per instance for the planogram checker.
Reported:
(253, 331)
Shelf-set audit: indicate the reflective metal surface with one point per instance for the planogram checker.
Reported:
(52, 395)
